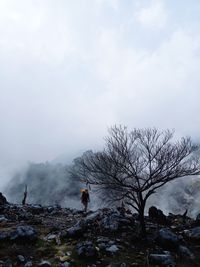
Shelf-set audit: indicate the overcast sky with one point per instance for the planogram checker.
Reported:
(69, 69)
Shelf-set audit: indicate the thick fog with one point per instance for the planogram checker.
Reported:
(71, 69)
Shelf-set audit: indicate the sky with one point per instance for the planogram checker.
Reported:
(71, 69)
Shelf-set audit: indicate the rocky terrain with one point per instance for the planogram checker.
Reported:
(33, 235)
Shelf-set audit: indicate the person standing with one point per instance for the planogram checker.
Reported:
(85, 198)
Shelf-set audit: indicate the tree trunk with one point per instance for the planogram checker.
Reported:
(142, 221)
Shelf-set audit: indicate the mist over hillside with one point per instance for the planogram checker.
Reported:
(179, 195)
(53, 183)
(48, 184)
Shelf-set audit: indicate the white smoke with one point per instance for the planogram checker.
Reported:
(177, 196)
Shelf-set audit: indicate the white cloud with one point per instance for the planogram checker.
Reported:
(109, 3)
(68, 70)
(153, 16)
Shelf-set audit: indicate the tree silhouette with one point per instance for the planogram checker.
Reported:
(134, 164)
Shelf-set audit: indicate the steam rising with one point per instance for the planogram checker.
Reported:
(179, 195)
(48, 184)
(55, 184)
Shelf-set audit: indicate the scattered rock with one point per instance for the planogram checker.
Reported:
(162, 259)
(107, 231)
(86, 249)
(36, 209)
(27, 233)
(114, 220)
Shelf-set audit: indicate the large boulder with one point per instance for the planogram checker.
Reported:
(185, 253)
(167, 239)
(193, 234)
(3, 199)
(157, 215)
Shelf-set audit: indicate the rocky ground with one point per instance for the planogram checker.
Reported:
(33, 235)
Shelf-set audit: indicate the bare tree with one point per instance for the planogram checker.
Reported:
(134, 164)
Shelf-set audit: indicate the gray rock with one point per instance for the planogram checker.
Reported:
(3, 218)
(103, 239)
(50, 237)
(185, 253)
(93, 216)
(8, 263)
(3, 199)
(112, 249)
(167, 239)
(162, 259)
(44, 264)
(157, 215)
(110, 222)
(108, 219)
(102, 246)
(193, 234)
(86, 249)
(50, 209)
(76, 230)
(21, 258)
(36, 209)
(25, 216)
(4, 236)
(24, 232)
(28, 264)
